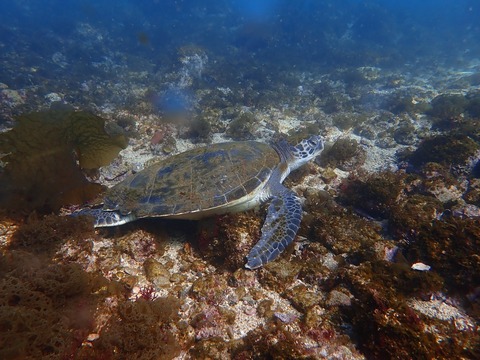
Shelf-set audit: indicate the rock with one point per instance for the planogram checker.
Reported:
(156, 273)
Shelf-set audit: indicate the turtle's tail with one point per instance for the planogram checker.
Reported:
(104, 218)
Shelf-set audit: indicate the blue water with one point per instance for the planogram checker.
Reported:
(295, 33)
(88, 50)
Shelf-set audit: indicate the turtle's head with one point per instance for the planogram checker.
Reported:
(305, 151)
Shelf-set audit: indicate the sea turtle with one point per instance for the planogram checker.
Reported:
(217, 179)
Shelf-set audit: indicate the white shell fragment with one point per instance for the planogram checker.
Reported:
(420, 267)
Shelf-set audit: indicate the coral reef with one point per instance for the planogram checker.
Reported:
(45, 235)
(473, 107)
(200, 129)
(387, 327)
(412, 213)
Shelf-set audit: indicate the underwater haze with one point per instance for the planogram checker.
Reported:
(273, 33)
(386, 260)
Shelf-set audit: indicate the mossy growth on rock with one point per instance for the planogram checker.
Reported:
(345, 233)
(46, 310)
(214, 348)
(412, 214)
(448, 150)
(200, 129)
(473, 107)
(447, 106)
(451, 248)
(273, 342)
(401, 103)
(472, 196)
(346, 120)
(387, 327)
(296, 135)
(338, 229)
(227, 240)
(140, 330)
(405, 134)
(209, 288)
(375, 194)
(345, 154)
(280, 273)
(45, 235)
(39, 159)
(468, 127)
(242, 127)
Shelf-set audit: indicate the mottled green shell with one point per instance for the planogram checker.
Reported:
(199, 180)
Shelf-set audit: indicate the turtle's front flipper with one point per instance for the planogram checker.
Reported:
(105, 218)
(281, 225)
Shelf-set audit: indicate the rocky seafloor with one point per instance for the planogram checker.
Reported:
(386, 264)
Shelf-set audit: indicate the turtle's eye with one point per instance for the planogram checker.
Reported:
(312, 143)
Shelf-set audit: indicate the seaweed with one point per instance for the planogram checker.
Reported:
(473, 107)
(47, 234)
(448, 150)
(375, 194)
(447, 106)
(345, 154)
(46, 310)
(200, 129)
(226, 240)
(39, 159)
(412, 214)
(386, 325)
(242, 127)
(140, 330)
(451, 247)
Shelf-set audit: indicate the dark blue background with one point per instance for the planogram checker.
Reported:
(281, 33)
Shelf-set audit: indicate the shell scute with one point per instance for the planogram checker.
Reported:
(197, 180)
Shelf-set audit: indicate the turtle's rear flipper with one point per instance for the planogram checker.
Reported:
(105, 218)
(281, 226)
